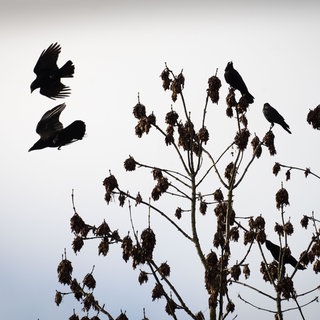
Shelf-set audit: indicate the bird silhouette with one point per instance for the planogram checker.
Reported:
(273, 116)
(51, 131)
(234, 79)
(275, 250)
(49, 75)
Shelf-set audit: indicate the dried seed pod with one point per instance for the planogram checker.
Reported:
(268, 140)
(246, 271)
(249, 236)
(138, 198)
(285, 287)
(157, 292)
(256, 146)
(261, 236)
(229, 171)
(74, 317)
(282, 198)
(316, 266)
(171, 118)
(229, 112)
(139, 111)
(218, 195)
(276, 168)
(163, 184)
(218, 239)
(242, 105)
(288, 228)
(64, 271)
(103, 247)
(288, 175)
(203, 135)
(231, 98)
(121, 199)
(211, 260)
(203, 207)
(164, 270)
(241, 139)
(279, 229)
(77, 244)
(88, 302)
(103, 230)
(260, 222)
(126, 247)
(58, 298)
(89, 281)
(230, 306)
(304, 258)
(243, 119)
(143, 277)
(235, 272)
(157, 174)
(148, 241)
(178, 213)
(165, 77)
(170, 307)
(76, 289)
(315, 249)
(110, 183)
(77, 224)
(313, 118)
(130, 164)
(122, 316)
(307, 172)
(151, 119)
(234, 234)
(214, 84)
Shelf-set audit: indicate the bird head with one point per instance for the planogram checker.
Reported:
(229, 66)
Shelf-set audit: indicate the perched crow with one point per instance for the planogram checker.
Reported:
(51, 131)
(49, 75)
(274, 249)
(273, 116)
(234, 79)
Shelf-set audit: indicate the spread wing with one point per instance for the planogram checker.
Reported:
(49, 124)
(48, 59)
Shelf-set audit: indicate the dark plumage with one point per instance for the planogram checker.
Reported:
(273, 116)
(49, 75)
(51, 131)
(274, 249)
(234, 79)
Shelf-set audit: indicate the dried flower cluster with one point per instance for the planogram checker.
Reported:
(214, 84)
(313, 117)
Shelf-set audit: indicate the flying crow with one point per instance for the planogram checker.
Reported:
(51, 131)
(49, 75)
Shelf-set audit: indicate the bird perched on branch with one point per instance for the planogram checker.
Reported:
(273, 116)
(49, 75)
(51, 131)
(275, 250)
(234, 79)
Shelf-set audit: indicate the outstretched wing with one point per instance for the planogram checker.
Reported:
(55, 89)
(49, 124)
(48, 59)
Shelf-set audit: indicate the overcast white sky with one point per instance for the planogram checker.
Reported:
(119, 49)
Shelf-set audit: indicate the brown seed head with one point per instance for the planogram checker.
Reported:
(157, 292)
(268, 140)
(276, 168)
(313, 118)
(148, 241)
(203, 135)
(130, 164)
(103, 229)
(214, 84)
(143, 277)
(282, 198)
(77, 224)
(164, 270)
(89, 281)
(256, 146)
(110, 183)
(171, 118)
(231, 99)
(165, 77)
(77, 244)
(288, 228)
(64, 271)
(103, 247)
(139, 111)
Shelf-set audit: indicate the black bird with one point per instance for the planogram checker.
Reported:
(274, 249)
(51, 131)
(49, 75)
(234, 79)
(273, 116)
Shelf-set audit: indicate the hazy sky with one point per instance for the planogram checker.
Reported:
(119, 48)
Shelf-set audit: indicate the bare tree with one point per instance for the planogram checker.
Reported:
(189, 188)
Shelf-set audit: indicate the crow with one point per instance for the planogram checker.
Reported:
(234, 79)
(274, 249)
(51, 131)
(273, 116)
(49, 75)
